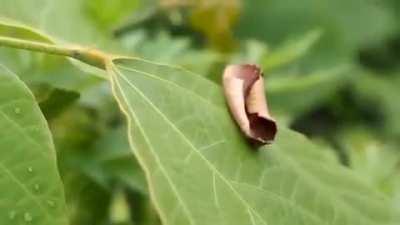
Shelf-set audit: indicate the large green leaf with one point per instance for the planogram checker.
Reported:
(201, 171)
(29, 182)
(386, 98)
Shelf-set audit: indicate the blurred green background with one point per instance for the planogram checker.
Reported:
(332, 71)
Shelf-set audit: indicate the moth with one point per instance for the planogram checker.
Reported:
(245, 95)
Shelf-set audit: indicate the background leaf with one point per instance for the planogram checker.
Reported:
(346, 25)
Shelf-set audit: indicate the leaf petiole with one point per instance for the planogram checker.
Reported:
(90, 56)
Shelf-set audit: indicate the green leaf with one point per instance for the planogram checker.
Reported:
(10, 28)
(201, 171)
(116, 12)
(112, 155)
(347, 24)
(167, 49)
(375, 160)
(39, 68)
(31, 187)
(252, 51)
(87, 202)
(295, 95)
(386, 98)
(56, 18)
(290, 51)
(215, 20)
(45, 21)
(117, 164)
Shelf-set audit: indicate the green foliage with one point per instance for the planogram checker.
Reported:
(347, 24)
(331, 71)
(290, 51)
(164, 48)
(32, 188)
(187, 144)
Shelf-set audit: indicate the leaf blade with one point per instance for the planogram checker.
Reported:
(28, 170)
(200, 170)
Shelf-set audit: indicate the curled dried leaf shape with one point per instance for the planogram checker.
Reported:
(244, 93)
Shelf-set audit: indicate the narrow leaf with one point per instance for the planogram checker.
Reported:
(10, 28)
(291, 51)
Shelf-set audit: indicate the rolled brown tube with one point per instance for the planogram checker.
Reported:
(245, 95)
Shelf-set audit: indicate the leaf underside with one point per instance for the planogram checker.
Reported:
(30, 187)
(201, 171)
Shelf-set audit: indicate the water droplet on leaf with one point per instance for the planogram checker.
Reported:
(37, 187)
(30, 169)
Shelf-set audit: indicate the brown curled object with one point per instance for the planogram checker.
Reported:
(245, 95)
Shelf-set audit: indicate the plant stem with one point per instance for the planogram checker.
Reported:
(86, 55)
(36, 46)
